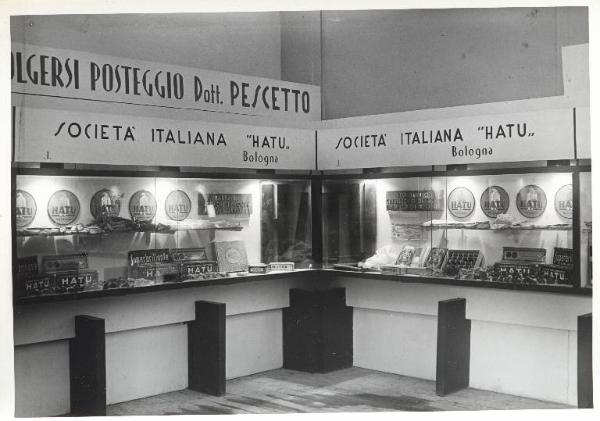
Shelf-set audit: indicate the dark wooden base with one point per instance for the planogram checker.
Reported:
(206, 348)
(317, 331)
(585, 381)
(453, 347)
(87, 366)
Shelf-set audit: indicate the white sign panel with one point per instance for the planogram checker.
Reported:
(73, 74)
(72, 137)
(582, 133)
(530, 136)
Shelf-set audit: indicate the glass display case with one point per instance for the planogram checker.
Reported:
(77, 233)
(497, 226)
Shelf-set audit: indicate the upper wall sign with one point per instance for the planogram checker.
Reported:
(529, 136)
(47, 71)
(44, 135)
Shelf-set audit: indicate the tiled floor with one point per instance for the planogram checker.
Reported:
(348, 390)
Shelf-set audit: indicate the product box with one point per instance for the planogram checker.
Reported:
(281, 266)
(258, 268)
(436, 258)
(77, 281)
(514, 272)
(555, 275)
(524, 254)
(27, 266)
(393, 269)
(419, 271)
(64, 263)
(461, 259)
(38, 285)
(156, 272)
(562, 257)
(231, 256)
(188, 254)
(406, 256)
(191, 270)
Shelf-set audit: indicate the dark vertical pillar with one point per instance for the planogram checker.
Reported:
(87, 364)
(453, 347)
(206, 349)
(585, 391)
(317, 331)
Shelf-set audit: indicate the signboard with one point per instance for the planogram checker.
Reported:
(494, 201)
(142, 206)
(461, 202)
(105, 203)
(37, 70)
(25, 208)
(539, 135)
(45, 135)
(227, 204)
(531, 201)
(563, 201)
(63, 207)
(178, 205)
(413, 200)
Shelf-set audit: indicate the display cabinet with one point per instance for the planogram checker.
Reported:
(81, 231)
(524, 227)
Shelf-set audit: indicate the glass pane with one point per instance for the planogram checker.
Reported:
(87, 233)
(511, 228)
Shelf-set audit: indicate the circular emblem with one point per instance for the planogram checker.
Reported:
(105, 203)
(142, 206)
(25, 208)
(178, 205)
(233, 255)
(63, 207)
(494, 201)
(531, 201)
(461, 202)
(563, 201)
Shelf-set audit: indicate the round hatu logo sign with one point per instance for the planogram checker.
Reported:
(25, 208)
(178, 205)
(142, 206)
(494, 201)
(105, 203)
(563, 201)
(461, 202)
(63, 207)
(531, 201)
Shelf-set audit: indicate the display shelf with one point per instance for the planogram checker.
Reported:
(417, 279)
(108, 233)
(510, 228)
(230, 280)
(305, 274)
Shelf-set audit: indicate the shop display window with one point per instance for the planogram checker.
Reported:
(493, 228)
(83, 233)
